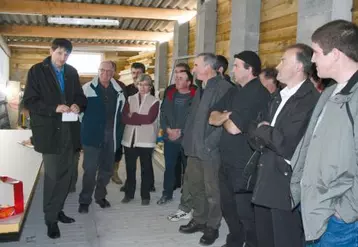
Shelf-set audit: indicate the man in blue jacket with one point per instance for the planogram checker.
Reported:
(101, 132)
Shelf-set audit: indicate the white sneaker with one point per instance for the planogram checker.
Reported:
(180, 215)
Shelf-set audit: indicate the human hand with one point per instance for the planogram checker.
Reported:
(62, 108)
(75, 108)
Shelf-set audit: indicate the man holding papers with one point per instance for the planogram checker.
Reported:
(101, 133)
(54, 98)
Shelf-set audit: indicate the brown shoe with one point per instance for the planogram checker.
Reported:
(115, 178)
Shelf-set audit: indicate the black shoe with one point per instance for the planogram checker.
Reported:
(53, 231)
(126, 199)
(209, 237)
(164, 200)
(152, 189)
(123, 188)
(65, 219)
(145, 202)
(83, 208)
(103, 203)
(192, 227)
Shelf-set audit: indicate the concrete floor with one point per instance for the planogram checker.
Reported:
(122, 225)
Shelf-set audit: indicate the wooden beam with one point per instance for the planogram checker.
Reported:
(92, 10)
(4, 46)
(82, 33)
(85, 46)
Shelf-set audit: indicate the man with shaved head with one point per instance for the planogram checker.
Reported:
(101, 133)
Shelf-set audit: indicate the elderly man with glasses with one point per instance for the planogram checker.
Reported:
(101, 132)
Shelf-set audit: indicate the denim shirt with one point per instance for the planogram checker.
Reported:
(60, 76)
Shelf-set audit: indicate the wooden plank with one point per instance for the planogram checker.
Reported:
(271, 60)
(276, 46)
(269, 4)
(141, 56)
(84, 33)
(277, 35)
(282, 22)
(355, 5)
(91, 10)
(279, 11)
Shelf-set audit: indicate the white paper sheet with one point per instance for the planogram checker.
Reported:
(69, 117)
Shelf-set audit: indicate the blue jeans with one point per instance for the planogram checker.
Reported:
(339, 234)
(172, 151)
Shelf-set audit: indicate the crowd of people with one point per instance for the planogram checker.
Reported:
(272, 151)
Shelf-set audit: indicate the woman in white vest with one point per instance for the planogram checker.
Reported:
(139, 138)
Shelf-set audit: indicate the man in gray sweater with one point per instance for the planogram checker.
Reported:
(200, 144)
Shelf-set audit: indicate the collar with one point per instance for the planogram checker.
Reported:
(61, 70)
(288, 92)
(115, 85)
(351, 83)
(212, 81)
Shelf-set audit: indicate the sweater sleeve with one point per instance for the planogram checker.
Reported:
(139, 119)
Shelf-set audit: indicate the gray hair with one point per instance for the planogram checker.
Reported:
(209, 59)
(145, 77)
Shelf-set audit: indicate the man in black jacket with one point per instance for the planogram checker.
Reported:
(200, 144)
(277, 136)
(237, 109)
(53, 90)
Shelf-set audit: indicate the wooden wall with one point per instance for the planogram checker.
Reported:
(147, 58)
(355, 12)
(192, 37)
(22, 59)
(170, 58)
(223, 28)
(277, 30)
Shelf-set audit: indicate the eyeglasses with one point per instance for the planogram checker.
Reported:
(106, 71)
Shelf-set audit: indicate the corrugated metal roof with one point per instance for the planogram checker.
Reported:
(84, 41)
(127, 24)
(171, 4)
(124, 23)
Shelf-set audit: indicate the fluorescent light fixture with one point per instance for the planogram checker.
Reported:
(82, 21)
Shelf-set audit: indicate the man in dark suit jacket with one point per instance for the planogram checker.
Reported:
(200, 144)
(52, 90)
(276, 137)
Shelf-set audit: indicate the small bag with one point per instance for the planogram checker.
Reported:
(18, 192)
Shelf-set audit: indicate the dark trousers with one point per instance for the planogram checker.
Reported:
(76, 159)
(278, 228)
(58, 169)
(101, 160)
(145, 156)
(151, 171)
(186, 203)
(119, 153)
(179, 170)
(238, 213)
(204, 190)
(172, 152)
